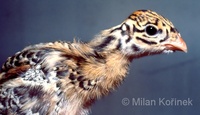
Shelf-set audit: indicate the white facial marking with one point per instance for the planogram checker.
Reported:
(126, 47)
(168, 51)
(124, 27)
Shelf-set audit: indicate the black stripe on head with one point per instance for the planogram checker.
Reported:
(164, 24)
(105, 42)
(128, 40)
(143, 10)
(174, 30)
(132, 15)
(166, 37)
(119, 44)
(138, 24)
(145, 41)
(139, 19)
(137, 30)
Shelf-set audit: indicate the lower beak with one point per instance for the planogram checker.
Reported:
(176, 45)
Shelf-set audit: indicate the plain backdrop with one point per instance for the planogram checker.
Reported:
(177, 75)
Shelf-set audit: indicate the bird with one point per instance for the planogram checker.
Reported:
(66, 78)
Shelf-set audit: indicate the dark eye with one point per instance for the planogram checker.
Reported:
(151, 30)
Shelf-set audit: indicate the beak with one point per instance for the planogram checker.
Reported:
(176, 45)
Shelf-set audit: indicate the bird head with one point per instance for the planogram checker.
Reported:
(145, 32)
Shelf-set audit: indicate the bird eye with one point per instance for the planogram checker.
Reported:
(151, 30)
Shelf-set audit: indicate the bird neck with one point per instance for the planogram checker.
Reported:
(119, 38)
(107, 40)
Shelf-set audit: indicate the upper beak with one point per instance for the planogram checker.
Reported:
(177, 44)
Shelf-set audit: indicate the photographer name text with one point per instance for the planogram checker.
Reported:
(157, 102)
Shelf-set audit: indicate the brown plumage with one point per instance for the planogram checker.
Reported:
(66, 78)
